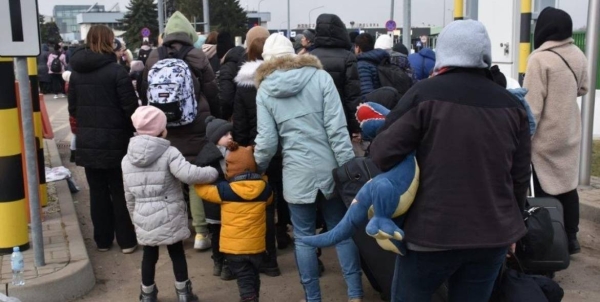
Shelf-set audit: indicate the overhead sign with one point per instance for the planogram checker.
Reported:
(20, 34)
(390, 25)
(146, 32)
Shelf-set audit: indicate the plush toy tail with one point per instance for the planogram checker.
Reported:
(356, 218)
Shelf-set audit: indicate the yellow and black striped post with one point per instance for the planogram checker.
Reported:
(525, 38)
(37, 122)
(459, 9)
(13, 213)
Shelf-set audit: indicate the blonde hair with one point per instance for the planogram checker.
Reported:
(100, 39)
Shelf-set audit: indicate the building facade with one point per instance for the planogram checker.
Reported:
(111, 19)
(65, 17)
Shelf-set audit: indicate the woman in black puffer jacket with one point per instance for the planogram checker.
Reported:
(102, 100)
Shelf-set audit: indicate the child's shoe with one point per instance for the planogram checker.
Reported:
(226, 274)
(269, 266)
(149, 293)
(217, 268)
(184, 292)
(251, 299)
(202, 242)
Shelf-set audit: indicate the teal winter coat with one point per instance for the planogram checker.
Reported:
(299, 107)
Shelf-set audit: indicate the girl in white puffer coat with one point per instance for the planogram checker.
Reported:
(152, 174)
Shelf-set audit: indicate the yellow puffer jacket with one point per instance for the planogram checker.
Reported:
(243, 201)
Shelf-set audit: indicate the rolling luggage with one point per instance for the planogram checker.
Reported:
(557, 257)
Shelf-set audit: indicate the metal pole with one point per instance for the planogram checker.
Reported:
(289, 27)
(161, 17)
(31, 161)
(587, 102)
(406, 34)
(444, 25)
(206, 10)
(392, 11)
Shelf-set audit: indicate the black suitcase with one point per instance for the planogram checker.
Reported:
(557, 258)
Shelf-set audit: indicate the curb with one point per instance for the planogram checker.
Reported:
(77, 278)
(589, 211)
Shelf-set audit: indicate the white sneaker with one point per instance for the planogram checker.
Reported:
(55, 96)
(62, 96)
(202, 242)
(129, 250)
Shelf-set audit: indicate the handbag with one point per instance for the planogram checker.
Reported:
(514, 285)
(540, 233)
(351, 176)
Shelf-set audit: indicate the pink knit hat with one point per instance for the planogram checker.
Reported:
(149, 120)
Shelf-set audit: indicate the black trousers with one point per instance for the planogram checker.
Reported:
(108, 208)
(283, 212)
(215, 230)
(150, 258)
(569, 201)
(245, 268)
(58, 84)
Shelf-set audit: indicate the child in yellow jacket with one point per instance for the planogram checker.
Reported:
(243, 197)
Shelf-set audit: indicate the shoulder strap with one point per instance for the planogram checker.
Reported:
(183, 52)
(567, 63)
(163, 53)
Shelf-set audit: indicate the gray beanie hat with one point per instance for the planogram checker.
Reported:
(463, 43)
(216, 128)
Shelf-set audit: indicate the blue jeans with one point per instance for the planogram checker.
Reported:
(304, 220)
(470, 273)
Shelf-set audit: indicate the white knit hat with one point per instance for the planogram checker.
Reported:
(277, 45)
(384, 42)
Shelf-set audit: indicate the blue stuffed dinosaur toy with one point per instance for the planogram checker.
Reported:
(382, 202)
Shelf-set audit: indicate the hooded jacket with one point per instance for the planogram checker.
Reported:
(152, 174)
(42, 65)
(367, 69)
(189, 138)
(553, 92)
(230, 66)
(422, 63)
(243, 202)
(331, 47)
(299, 108)
(244, 107)
(472, 144)
(102, 100)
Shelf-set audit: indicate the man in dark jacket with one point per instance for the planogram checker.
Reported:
(368, 60)
(473, 148)
(422, 63)
(332, 44)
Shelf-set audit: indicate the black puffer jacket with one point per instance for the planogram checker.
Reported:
(331, 47)
(102, 99)
(244, 107)
(230, 66)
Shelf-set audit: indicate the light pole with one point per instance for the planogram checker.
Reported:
(258, 12)
(310, 12)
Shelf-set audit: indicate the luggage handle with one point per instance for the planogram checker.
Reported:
(531, 186)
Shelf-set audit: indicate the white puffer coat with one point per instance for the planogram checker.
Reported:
(152, 171)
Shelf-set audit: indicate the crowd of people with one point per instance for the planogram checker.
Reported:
(270, 123)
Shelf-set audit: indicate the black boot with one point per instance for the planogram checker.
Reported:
(269, 266)
(217, 268)
(574, 247)
(72, 157)
(226, 274)
(184, 292)
(321, 267)
(151, 296)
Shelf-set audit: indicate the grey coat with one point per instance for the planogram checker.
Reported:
(152, 171)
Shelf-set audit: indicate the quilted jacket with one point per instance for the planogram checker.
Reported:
(102, 100)
(367, 69)
(152, 171)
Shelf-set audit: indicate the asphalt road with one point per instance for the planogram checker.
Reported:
(118, 275)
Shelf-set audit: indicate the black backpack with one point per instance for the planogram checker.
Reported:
(391, 75)
(56, 65)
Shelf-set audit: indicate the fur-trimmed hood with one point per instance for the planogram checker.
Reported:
(286, 63)
(247, 73)
(286, 76)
